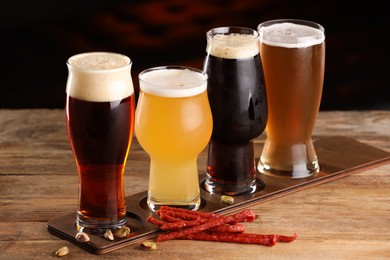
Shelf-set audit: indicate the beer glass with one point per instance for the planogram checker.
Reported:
(173, 124)
(100, 120)
(238, 103)
(293, 55)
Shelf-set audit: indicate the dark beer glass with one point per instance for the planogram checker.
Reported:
(238, 103)
(100, 121)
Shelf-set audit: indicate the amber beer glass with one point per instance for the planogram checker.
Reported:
(100, 120)
(173, 124)
(293, 55)
(238, 103)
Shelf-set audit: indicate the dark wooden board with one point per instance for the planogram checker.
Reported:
(338, 157)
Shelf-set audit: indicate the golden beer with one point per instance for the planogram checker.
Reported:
(293, 56)
(173, 124)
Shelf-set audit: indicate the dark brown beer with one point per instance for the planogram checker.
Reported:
(237, 98)
(100, 122)
(100, 134)
(238, 103)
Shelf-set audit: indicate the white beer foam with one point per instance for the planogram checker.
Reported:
(291, 35)
(172, 82)
(99, 77)
(233, 46)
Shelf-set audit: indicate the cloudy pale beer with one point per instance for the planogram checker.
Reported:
(293, 55)
(173, 124)
(239, 106)
(100, 120)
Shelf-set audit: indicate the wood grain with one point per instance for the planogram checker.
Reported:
(343, 219)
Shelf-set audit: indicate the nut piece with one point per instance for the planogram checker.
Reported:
(149, 246)
(122, 232)
(82, 237)
(227, 199)
(63, 251)
(108, 235)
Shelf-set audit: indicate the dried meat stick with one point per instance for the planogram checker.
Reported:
(180, 215)
(169, 218)
(226, 228)
(267, 240)
(172, 223)
(183, 224)
(155, 221)
(244, 216)
(281, 238)
(173, 216)
(236, 228)
(197, 213)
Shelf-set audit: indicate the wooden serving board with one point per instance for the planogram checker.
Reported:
(338, 157)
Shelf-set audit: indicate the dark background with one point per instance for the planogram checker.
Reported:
(37, 37)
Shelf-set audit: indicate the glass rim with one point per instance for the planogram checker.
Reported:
(99, 70)
(226, 30)
(292, 20)
(191, 89)
(275, 38)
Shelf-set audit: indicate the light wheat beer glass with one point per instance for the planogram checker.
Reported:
(293, 55)
(100, 120)
(173, 124)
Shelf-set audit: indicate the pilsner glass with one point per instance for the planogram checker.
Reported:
(173, 124)
(239, 106)
(293, 55)
(100, 120)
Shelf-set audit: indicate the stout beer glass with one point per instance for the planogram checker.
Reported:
(239, 107)
(100, 120)
(293, 55)
(173, 124)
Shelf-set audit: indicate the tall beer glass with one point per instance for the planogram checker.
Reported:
(100, 120)
(293, 55)
(239, 106)
(173, 124)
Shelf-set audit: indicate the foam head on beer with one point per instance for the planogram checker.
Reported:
(99, 77)
(291, 35)
(173, 82)
(232, 46)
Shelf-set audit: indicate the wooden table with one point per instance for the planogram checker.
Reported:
(348, 218)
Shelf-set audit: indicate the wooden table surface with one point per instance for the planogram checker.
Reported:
(348, 218)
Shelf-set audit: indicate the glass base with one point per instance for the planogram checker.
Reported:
(231, 168)
(230, 189)
(98, 226)
(155, 205)
(299, 171)
(292, 160)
